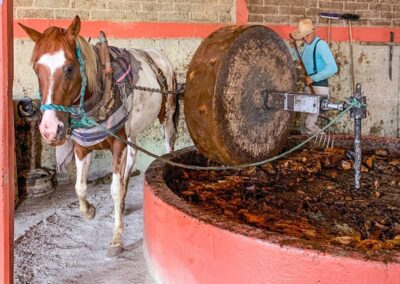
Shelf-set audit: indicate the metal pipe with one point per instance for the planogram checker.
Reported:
(358, 113)
(327, 105)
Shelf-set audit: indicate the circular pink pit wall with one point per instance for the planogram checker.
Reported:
(186, 245)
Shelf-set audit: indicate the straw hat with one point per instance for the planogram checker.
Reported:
(304, 28)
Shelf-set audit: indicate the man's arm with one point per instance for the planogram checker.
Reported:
(330, 64)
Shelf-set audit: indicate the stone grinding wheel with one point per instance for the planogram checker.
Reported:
(225, 111)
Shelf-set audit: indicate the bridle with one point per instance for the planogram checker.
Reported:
(79, 118)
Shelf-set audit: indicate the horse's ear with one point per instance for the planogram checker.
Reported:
(74, 28)
(33, 34)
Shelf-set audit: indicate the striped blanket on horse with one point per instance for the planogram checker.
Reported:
(125, 73)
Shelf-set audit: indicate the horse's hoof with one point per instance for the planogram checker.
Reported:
(114, 250)
(90, 213)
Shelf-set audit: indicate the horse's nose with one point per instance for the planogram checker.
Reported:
(60, 130)
(51, 131)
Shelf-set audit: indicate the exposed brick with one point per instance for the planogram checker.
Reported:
(89, 4)
(187, 7)
(330, 5)
(276, 19)
(155, 7)
(389, 15)
(297, 3)
(196, 7)
(35, 13)
(218, 8)
(52, 3)
(203, 17)
(380, 7)
(277, 2)
(313, 12)
(389, 1)
(225, 18)
(202, 1)
(255, 2)
(23, 3)
(380, 22)
(361, 22)
(296, 11)
(256, 18)
(382, 12)
(368, 14)
(173, 17)
(263, 10)
(107, 15)
(141, 16)
(355, 6)
(71, 13)
(310, 3)
(125, 6)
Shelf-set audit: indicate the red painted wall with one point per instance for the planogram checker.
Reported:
(188, 30)
(7, 145)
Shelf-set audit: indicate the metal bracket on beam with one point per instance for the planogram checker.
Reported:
(298, 102)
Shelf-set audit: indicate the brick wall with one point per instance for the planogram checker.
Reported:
(129, 10)
(372, 12)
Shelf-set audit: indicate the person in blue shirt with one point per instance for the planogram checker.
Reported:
(319, 63)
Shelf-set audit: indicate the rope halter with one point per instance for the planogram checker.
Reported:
(79, 118)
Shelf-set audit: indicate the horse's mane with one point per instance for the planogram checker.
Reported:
(91, 65)
(54, 38)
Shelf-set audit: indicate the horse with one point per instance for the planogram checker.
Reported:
(70, 76)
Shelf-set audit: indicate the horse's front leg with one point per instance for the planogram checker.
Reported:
(82, 160)
(123, 161)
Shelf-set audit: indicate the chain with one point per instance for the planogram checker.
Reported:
(151, 90)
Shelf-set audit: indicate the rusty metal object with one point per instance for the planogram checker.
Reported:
(34, 181)
(226, 111)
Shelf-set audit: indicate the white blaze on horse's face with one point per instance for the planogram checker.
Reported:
(51, 127)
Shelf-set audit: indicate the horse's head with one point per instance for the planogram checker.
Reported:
(57, 67)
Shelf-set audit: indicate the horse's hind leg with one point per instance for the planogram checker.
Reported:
(123, 161)
(170, 121)
(82, 161)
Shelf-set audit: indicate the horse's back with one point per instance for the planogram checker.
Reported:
(160, 60)
(156, 72)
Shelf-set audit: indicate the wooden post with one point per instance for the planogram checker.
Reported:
(7, 146)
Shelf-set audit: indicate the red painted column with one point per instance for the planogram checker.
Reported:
(242, 12)
(7, 149)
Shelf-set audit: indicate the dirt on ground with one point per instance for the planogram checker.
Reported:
(55, 244)
(309, 197)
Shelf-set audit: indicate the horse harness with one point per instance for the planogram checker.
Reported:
(95, 118)
(119, 77)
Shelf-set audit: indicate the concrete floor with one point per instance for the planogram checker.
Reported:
(54, 244)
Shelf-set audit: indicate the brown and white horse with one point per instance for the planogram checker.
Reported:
(57, 67)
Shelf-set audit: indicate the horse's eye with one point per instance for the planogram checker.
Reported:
(68, 70)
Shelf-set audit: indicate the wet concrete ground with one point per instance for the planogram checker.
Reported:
(55, 244)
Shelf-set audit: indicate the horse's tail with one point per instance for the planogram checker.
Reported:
(175, 117)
